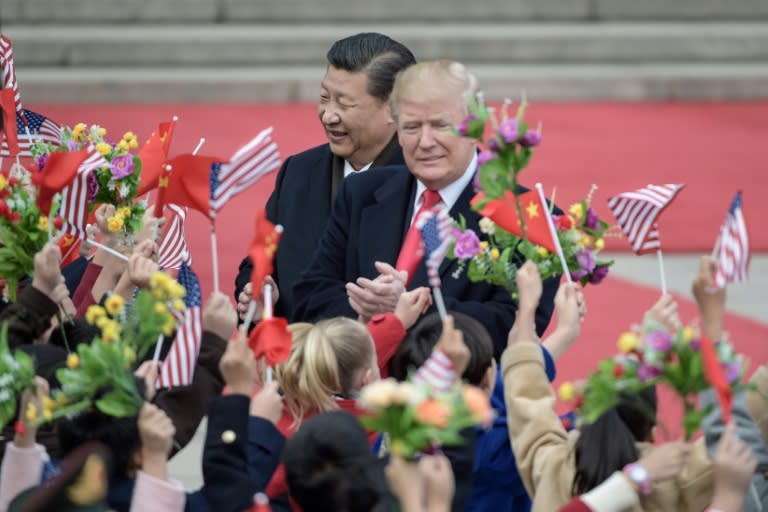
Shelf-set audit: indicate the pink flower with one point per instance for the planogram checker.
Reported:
(467, 245)
(93, 186)
(493, 145)
(122, 166)
(530, 139)
(41, 161)
(508, 131)
(732, 371)
(463, 127)
(485, 156)
(647, 372)
(591, 220)
(597, 275)
(659, 341)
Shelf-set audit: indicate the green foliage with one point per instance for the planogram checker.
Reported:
(17, 373)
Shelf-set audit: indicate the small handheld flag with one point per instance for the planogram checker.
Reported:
(732, 250)
(503, 213)
(435, 226)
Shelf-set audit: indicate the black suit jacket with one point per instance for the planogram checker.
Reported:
(301, 202)
(369, 221)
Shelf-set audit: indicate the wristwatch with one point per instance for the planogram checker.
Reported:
(639, 475)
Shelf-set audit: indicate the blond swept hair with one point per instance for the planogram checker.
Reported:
(425, 81)
(325, 359)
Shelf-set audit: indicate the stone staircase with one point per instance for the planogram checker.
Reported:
(273, 50)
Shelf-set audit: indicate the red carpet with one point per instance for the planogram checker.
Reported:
(715, 148)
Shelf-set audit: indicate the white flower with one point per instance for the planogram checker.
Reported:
(111, 185)
(487, 226)
(11, 362)
(379, 394)
(407, 393)
(124, 190)
(4, 395)
(11, 203)
(5, 380)
(95, 135)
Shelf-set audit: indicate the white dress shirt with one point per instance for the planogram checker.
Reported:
(348, 169)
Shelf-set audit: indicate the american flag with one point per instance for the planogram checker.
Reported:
(246, 166)
(436, 228)
(40, 129)
(173, 246)
(179, 365)
(637, 212)
(9, 71)
(732, 249)
(74, 197)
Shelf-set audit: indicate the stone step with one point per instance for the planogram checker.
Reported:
(735, 80)
(264, 45)
(334, 11)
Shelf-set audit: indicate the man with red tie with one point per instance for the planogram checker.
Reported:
(359, 268)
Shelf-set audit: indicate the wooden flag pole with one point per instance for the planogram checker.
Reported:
(553, 233)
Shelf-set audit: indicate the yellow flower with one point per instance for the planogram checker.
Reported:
(78, 132)
(62, 399)
(115, 224)
(176, 290)
(628, 342)
(178, 305)
(586, 241)
(129, 354)
(103, 148)
(133, 144)
(31, 413)
(483, 245)
(159, 280)
(688, 334)
(577, 210)
(114, 304)
(599, 244)
(93, 314)
(160, 308)
(566, 392)
(110, 332)
(73, 361)
(101, 131)
(42, 223)
(3, 182)
(47, 414)
(543, 252)
(168, 328)
(127, 136)
(124, 212)
(48, 403)
(495, 254)
(122, 146)
(102, 321)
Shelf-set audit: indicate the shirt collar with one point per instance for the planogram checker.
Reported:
(348, 169)
(450, 194)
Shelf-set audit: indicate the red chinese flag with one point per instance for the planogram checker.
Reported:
(59, 171)
(189, 182)
(70, 249)
(716, 377)
(504, 214)
(272, 340)
(262, 250)
(8, 106)
(153, 157)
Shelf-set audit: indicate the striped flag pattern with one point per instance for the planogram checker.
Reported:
(74, 197)
(436, 228)
(247, 165)
(9, 71)
(40, 129)
(732, 252)
(173, 249)
(637, 212)
(178, 369)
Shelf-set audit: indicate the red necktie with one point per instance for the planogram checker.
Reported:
(412, 251)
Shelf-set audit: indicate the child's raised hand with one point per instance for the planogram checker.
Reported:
(219, 317)
(47, 272)
(156, 431)
(529, 286)
(141, 268)
(664, 312)
(451, 343)
(411, 305)
(268, 403)
(238, 366)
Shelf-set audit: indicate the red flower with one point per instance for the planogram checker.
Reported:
(14, 217)
(58, 222)
(564, 222)
(4, 210)
(13, 181)
(20, 428)
(618, 370)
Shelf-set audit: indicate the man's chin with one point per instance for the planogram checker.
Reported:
(342, 150)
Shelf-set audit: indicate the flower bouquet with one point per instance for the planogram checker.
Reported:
(416, 420)
(100, 374)
(23, 229)
(116, 184)
(496, 258)
(17, 373)
(652, 355)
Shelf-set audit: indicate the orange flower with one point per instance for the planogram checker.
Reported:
(433, 412)
(478, 404)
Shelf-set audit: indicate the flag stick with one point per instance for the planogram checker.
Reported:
(214, 257)
(158, 346)
(268, 313)
(553, 232)
(199, 145)
(439, 303)
(106, 249)
(661, 271)
(248, 317)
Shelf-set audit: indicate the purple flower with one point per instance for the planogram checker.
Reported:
(122, 166)
(597, 275)
(695, 344)
(508, 131)
(576, 276)
(463, 127)
(485, 156)
(659, 341)
(586, 261)
(591, 220)
(647, 372)
(71, 145)
(530, 139)
(732, 371)
(41, 161)
(93, 186)
(493, 145)
(467, 245)
(476, 186)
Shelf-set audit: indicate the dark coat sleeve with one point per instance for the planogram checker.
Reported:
(228, 461)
